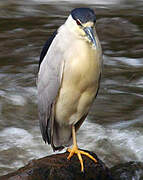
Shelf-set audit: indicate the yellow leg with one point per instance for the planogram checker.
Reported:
(75, 150)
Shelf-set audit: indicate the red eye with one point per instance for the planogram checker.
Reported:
(78, 22)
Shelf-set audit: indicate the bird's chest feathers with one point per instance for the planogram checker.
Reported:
(82, 67)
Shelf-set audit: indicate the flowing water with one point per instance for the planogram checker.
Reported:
(114, 127)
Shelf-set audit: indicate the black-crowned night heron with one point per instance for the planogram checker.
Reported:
(68, 80)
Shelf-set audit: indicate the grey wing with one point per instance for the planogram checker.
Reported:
(49, 82)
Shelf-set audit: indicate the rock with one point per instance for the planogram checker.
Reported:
(128, 171)
(57, 167)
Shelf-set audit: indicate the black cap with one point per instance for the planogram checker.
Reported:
(83, 14)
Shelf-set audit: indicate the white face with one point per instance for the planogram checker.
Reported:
(78, 26)
(84, 30)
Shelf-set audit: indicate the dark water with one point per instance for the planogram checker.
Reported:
(114, 127)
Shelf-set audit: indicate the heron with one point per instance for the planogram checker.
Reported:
(68, 80)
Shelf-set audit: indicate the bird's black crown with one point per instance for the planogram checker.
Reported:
(83, 14)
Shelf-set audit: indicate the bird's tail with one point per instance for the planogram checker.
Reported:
(61, 136)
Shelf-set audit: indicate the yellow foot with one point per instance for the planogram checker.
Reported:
(75, 150)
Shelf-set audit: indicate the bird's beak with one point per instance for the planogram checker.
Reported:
(90, 34)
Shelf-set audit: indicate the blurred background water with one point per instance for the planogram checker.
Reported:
(114, 127)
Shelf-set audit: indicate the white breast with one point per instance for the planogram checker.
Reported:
(80, 82)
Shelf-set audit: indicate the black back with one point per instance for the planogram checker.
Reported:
(46, 47)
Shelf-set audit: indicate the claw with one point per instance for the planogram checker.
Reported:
(75, 150)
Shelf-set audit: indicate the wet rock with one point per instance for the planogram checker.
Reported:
(128, 171)
(57, 167)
